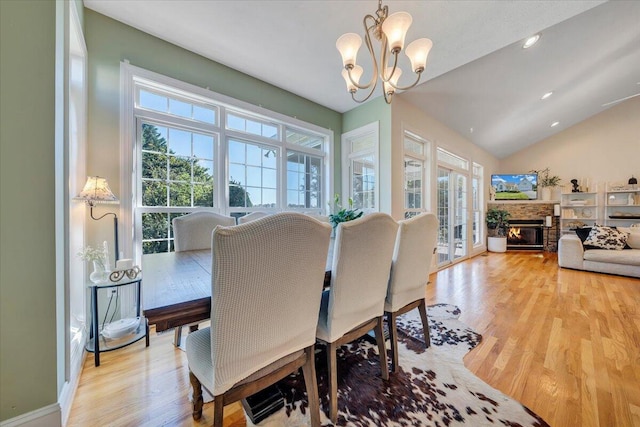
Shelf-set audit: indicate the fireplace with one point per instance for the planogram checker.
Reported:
(525, 234)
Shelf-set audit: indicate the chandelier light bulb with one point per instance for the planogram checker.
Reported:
(348, 45)
(395, 27)
(356, 73)
(418, 51)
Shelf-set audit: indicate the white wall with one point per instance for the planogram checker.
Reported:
(603, 148)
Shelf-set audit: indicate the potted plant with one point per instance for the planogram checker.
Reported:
(343, 214)
(546, 182)
(497, 225)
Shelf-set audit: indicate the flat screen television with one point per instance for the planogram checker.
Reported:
(522, 186)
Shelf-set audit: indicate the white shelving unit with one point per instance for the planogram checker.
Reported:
(579, 209)
(621, 205)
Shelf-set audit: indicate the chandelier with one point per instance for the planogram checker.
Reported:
(390, 30)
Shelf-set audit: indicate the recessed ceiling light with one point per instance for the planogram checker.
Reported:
(546, 95)
(531, 41)
(554, 124)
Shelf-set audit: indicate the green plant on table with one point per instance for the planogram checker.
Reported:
(343, 214)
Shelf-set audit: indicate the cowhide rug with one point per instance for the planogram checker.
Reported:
(432, 388)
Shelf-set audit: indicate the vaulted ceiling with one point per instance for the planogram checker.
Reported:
(479, 81)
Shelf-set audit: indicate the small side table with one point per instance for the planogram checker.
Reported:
(97, 342)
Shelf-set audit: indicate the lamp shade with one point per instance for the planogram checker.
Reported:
(418, 51)
(96, 190)
(348, 46)
(356, 73)
(395, 27)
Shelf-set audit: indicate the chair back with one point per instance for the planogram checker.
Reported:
(360, 271)
(323, 218)
(411, 263)
(193, 231)
(267, 278)
(251, 217)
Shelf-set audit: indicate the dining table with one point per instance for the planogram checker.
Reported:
(176, 288)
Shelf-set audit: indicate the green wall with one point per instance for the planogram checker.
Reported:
(27, 244)
(109, 42)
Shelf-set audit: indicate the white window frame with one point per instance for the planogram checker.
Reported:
(477, 204)
(348, 156)
(425, 160)
(130, 189)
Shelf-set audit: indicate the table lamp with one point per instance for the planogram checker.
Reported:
(96, 190)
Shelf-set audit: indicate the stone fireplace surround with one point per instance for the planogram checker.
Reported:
(534, 209)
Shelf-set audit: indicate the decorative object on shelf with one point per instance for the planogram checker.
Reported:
(96, 256)
(343, 214)
(131, 273)
(632, 180)
(390, 30)
(576, 187)
(96, 190)
(546, 181)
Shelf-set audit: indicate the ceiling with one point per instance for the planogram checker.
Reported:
(478, 76)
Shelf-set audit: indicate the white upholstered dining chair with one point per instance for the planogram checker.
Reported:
(266, 285)
(252, 217)
(354, 304)
(193, 231)
(410, 269)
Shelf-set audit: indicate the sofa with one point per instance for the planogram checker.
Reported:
(576, 252)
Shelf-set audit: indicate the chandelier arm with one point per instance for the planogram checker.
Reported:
(383, 55)
(387, 97)
(367, 39)
(353, 95)
(407, 87)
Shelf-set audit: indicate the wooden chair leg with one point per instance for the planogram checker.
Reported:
(379, 330)
(333, 382)
(196, 396)
(218, 407)
(422, 308)
(393, 337)
(311, 383)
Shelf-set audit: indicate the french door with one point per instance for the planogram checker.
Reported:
(452, 215)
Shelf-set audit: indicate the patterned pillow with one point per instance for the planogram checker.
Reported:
(633, 239)
(606, 238)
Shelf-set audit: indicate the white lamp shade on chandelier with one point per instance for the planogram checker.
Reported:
(391, 31)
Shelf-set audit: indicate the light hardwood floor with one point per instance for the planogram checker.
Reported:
(565, 343)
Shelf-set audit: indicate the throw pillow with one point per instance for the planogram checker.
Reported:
(583, 233)
(633, 239)
(606, 238)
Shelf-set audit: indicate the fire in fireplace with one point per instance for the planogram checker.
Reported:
(525, 234)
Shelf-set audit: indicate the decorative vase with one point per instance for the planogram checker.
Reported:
(98, 274)
(545, 192)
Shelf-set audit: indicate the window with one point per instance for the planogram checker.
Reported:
(253, 175)
(189, 141)
(477, 203)
(415, 173)
(452, 209)
(360, 180)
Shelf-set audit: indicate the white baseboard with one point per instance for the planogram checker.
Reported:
(47, 416)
